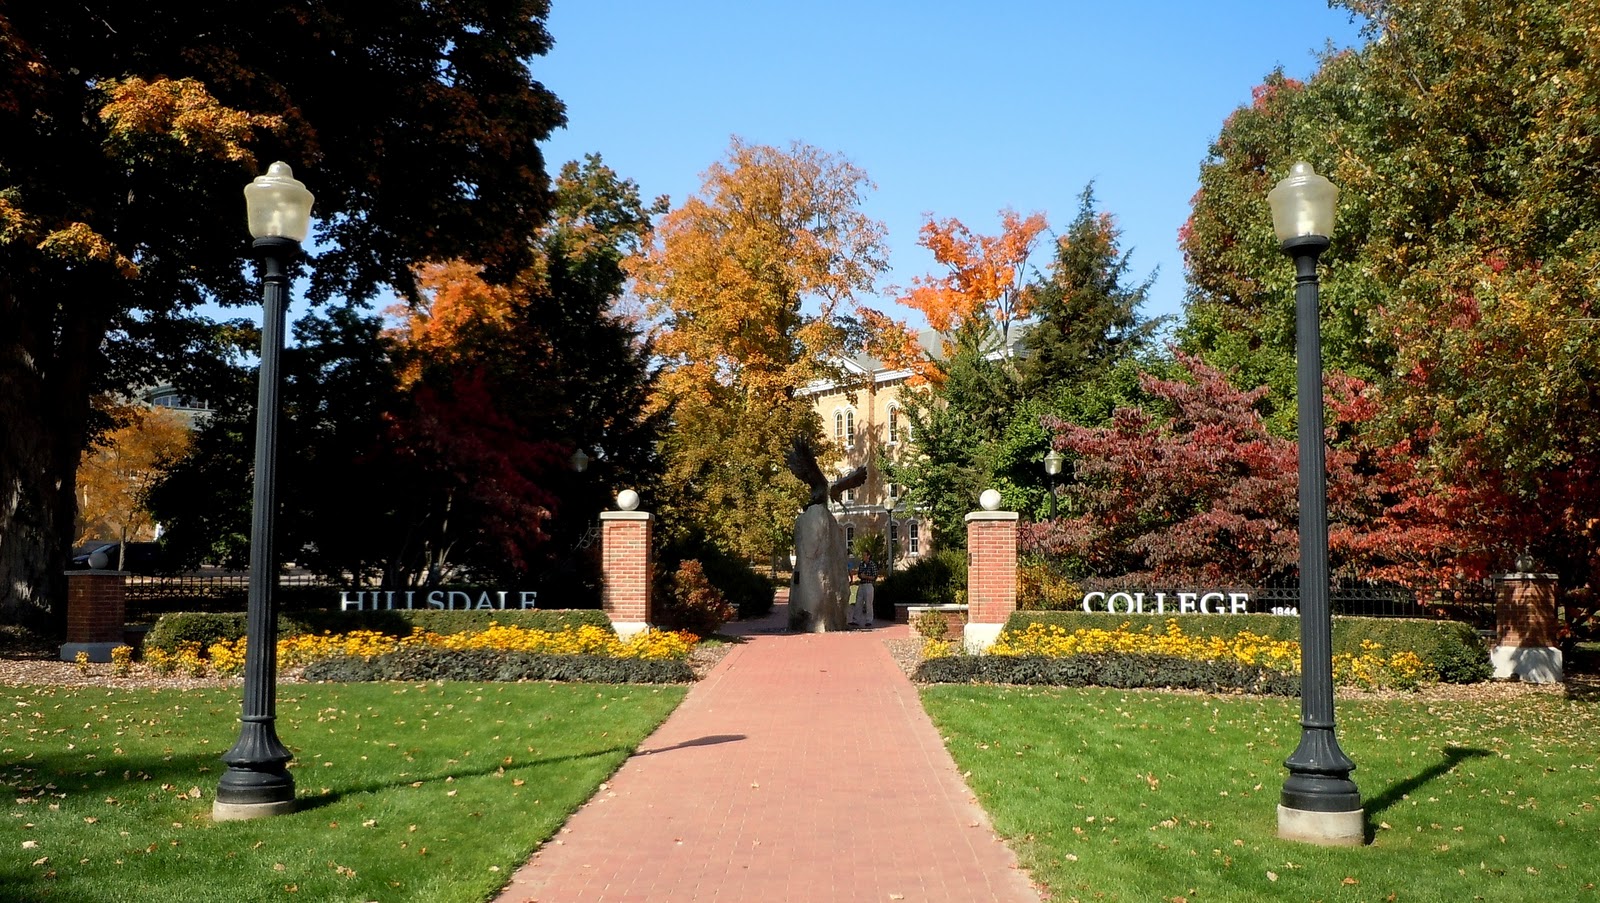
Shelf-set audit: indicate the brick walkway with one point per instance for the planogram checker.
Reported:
(801, 769)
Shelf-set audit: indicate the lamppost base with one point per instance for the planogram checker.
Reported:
(221, 811)
(1328, 829)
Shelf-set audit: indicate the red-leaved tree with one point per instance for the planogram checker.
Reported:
(1208, 495)
(474, 477)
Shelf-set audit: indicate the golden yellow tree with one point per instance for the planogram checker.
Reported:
(115, 474)
(754, 285)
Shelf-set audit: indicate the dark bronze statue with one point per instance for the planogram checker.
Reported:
(802, 463)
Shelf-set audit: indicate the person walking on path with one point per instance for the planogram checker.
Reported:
(802, 769)
(866, 581)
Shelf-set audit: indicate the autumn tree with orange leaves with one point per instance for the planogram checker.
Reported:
(984, 290)
(753, 285)
(130, 129)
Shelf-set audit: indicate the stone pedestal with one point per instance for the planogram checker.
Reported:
(1328, 829)
(821, 588)
(96, 609)
(991, 576)
(626, 570)
(1526, 645)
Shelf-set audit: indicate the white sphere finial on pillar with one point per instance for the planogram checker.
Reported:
(627, 500)
(989, 500)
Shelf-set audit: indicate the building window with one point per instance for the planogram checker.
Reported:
(894, 535)
(849, 496)
(849, 536)
(894, 493)
(894, 425)
(844, 427)
(916, 535)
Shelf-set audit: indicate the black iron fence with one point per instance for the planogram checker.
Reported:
(149, 596)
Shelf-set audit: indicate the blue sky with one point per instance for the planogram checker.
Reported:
(958, 109)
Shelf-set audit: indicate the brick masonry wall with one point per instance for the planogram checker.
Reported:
(96, 607)
(991, 566)
(625, 566)
(1525, 611)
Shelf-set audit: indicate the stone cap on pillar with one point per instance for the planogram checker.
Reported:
(1519, 575)
(992, 515)
(626, 515)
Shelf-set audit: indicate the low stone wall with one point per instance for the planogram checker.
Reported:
(955, 617)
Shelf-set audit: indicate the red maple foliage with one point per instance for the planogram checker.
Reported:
(472, 465)
(1208, 495)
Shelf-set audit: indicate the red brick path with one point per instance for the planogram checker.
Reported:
(801, 769)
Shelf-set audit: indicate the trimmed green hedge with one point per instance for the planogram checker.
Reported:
(1451, 647)
(205, 628)
(1120, 670)
(425, 663)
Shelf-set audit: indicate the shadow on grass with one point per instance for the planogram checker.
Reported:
(711, 740)
(109, 776)
(1453, 756)
(328, 799)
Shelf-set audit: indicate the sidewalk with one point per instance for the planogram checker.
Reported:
(801, 769)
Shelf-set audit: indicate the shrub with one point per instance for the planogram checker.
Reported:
(931, 624)
(937, 579)
(750, 592)
(423, 663)
(1450, 648)
(1119, 670)
(695, 604)
(201, 628)
(1042, 585)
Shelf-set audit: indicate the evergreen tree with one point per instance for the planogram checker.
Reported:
(1086, 315)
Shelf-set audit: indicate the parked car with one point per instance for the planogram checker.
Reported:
(140, 557)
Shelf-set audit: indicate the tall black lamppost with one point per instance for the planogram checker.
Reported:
(1320, 803)
(257, 781)
(1052, 466)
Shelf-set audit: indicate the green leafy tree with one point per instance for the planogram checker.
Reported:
(1462, 273)
(130, 129)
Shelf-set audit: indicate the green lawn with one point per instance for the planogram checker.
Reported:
(425, 792)
(1141, 796)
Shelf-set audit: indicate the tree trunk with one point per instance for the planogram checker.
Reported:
(49, 358)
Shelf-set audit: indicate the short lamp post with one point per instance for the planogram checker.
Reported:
(1319, 804)
(1052, 466)
(257, 781)
(888, 535)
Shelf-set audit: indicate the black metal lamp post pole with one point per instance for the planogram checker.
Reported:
(1052, 466)
(888, 536)
(257, 781)
(1320, 803)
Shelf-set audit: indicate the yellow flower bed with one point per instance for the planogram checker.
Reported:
(226, 657)
(1372, 668)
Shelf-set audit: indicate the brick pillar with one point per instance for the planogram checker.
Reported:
(95, 613)
(1525, 644)
(991, 575)
(626, 569)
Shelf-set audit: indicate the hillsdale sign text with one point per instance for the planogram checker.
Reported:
(444, 600)
(1140, 603)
